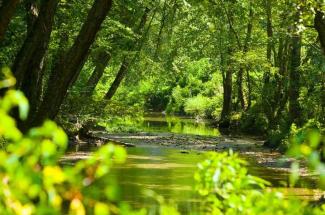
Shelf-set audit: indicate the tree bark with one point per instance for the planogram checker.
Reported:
(162, 26)
(227, 98)
(268, 5)
(126, 61)
(227, 75)
(118, 79)
(7, 11)
(28, 65)
(294, 78)
(267, 92)
(240, 74)
(281, 95)
(320, 27)
(101, 63)
(64, 73)
(249, 87)
(32, 10)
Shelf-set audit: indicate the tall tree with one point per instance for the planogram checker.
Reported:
(267, 97)
(127, 61)
(294, 76)
(245, 48)
(227, 94)
(102, 59)
(66, 71)
(7, 10)
(320, 27)
(28, 65)
(32, 12)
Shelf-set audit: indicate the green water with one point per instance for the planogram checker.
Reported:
(169, 172)
(156, 122)
(179, 125)
(165, 171)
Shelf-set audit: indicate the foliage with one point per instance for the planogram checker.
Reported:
(227, 187)
(307, 143)
(34, 182)
(254, 121)
(197, 106)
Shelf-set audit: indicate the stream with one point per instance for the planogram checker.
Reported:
(165, 157)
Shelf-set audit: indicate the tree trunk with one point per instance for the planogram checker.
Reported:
(249, 87)
(320, 27)
(227, 98)
(126, 61)
(267, 92)
(240, 92)
(101, 64)
(28, 65)
(32, 10)
(7, 11)
(281, 95)
(268, 4)
(65, 72)
(162, 26)
(294, 79)
(240, 74)
(227, 75)
(118, 79)
(322, 99)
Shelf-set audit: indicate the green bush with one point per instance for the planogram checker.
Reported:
(308, 143)
(198, 106)
(34, 182)
(224, 183)
(254, 121)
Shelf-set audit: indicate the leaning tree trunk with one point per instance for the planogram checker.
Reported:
(101, 63)
(68, 69)
(320, 27)
(162, 26)
(118, 79)
(126, 60)
(7, 10)
(28, 65)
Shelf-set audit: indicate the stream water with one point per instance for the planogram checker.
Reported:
(169, 171)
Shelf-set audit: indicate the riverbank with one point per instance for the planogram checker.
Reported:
(251, 147)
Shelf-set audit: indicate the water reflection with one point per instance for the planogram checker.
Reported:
(169, 173)
(178, 125)
(165, 171)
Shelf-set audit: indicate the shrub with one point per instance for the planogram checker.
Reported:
(308, 143)
(34, 182)
(227, 188)
(254, 121)
(198, 106)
